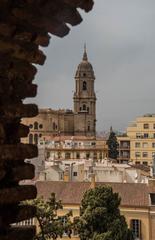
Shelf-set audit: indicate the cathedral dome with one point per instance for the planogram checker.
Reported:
(85, 68)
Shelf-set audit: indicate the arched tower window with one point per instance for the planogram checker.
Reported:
(36, 139)
(31, 138)
(84, 107)
(35, 125)
(84, 86)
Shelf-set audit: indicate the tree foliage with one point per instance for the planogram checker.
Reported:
(112, 145)
(51, 225)
(100, 217)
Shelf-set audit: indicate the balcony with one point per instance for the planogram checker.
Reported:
(121, 147)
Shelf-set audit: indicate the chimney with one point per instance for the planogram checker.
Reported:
(93, 182)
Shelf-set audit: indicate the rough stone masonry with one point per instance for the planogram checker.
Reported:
(25, 25)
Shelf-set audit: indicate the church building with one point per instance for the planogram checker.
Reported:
(78, 122)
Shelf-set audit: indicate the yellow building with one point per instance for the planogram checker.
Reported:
(142, 139)
(137, 202)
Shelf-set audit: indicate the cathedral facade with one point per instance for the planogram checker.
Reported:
(78, 122)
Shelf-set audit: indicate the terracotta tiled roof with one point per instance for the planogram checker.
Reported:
(132, 194)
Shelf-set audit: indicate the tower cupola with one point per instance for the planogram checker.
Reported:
(85, 68)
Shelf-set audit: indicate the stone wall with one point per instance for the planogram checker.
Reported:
(25, 25)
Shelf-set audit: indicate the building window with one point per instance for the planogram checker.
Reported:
(146, 126)
(153, 154)
(40, 135)
(95, 155)
(138, 135)
(75, 174)
(88, 128)
(154, 125)
(137, 144)
(145, 154)
(48, 155)
(145, 163)
(88, 109)
(137, 154)
(153, 145)
(84, 88)
(40, 126)
(36, 125)
(145, 145)
(31, 138)
(153, 135)
(87, 155)
(77, 155)
(152, 198)
(84, 107)
(35, 139)
(67, 155)
(136, 228)
(146, 135)
(137, 162)
(54, 126)
(59, 155)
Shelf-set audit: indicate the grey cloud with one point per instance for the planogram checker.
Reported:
(120, 38)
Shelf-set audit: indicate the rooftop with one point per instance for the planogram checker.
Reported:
(132, 194)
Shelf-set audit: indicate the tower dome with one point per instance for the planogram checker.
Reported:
(85, 68)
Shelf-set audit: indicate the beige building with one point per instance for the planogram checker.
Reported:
(78, 122)
(74, 148)
(142, 139)
(137, 202)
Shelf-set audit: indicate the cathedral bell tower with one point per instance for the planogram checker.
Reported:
(84, 99)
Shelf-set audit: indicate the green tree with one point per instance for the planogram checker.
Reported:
(112, 145)
(100, 217)
(51, 225)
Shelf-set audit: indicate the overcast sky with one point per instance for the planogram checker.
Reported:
(120, 38)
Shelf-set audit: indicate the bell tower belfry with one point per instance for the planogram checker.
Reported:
(84, 99)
